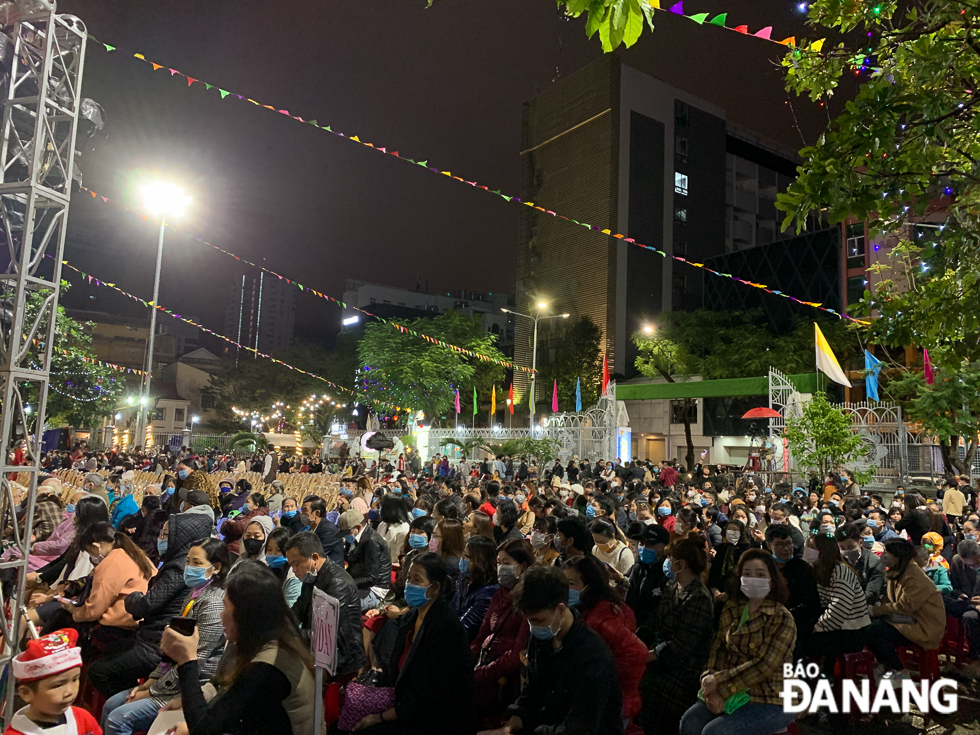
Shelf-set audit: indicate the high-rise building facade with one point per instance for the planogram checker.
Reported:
(261, 313)
(626, 152)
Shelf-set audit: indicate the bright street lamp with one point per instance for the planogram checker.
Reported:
(542, 305)
(648, 329)
(162, 199)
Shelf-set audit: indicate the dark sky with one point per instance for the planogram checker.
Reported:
(445, 84)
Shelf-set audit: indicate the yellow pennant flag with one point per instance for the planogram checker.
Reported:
(827, 361)
(493, 402)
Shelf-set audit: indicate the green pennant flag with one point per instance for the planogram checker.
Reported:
(224, 93)
(207, 86)
(313, 123)
(699, 18)
(327, 128)
(474, 400)
(719, 20)
(109, 48)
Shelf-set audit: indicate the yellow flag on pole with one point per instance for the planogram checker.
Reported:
(493, 402)
(827, 361)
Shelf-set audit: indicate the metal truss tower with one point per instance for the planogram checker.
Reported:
(45, 53)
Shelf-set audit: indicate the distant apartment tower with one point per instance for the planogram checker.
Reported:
(620, 150)
(260, 314)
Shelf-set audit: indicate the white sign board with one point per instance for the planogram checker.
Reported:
(326, 611)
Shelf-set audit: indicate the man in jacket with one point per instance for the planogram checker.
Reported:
(368, 558)
(570, 684)
(314, 516)
(647, 579)
(307, 560)
(270, 465)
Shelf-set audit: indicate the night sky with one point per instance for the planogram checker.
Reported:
(445, 84)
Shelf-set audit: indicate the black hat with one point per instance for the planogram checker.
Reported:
(654, 534)
(194, 497)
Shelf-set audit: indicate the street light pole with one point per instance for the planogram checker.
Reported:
(534, 348)
(145, 401)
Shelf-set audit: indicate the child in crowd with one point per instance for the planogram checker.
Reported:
(47, 676)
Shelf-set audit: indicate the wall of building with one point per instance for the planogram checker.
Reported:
(125, 345)
(190, 382)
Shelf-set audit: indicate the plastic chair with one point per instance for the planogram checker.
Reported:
(955, 645)
(850, 666)
(927, 662)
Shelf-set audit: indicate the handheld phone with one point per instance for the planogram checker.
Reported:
(184, 626)
(59, 598)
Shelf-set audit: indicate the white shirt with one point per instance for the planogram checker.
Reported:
(620, 558)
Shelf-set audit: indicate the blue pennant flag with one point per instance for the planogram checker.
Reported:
(578, 394)
(873, 366)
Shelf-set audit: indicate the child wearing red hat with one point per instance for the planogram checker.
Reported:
(47, 676)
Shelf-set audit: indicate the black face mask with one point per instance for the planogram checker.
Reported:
(253, 546)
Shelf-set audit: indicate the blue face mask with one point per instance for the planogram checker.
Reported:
(464, 566)
(574, 597)
(182, 474)
(668, 569)
(664, 512)
(647, 555)
(415, 595)
(418, 512)
(418, 542)
(868, 541)
(781, 561)
(704, 502)
(543, 632)
(350, 539)
(225, 489)
(276, 562)
(346, 492)
(970, 536)
(70, 508)
(162, 546)
(872, 523)
(194, 576)
(289, 514)
(832, 502)
(589, 512)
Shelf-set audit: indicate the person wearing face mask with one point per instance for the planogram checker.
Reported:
(912, 610)
(964, 601)
(305, 556)
(803, 601)
(313, 517)
(502, 636)
(120, 569)
(843, 623)
(647, 580)
(610, 549)
(866, 564)
(880, 525)
(779, 515)
(542, 540)
(665, 514)
(601, 608)
(204, 575)
(755, 639)
(684, 627)
(570, 683)
(720, 580)
(154, 609)
(430, 658)
(254, 539)
(276, 560)
(476, 585)
(232, 530)
(970, 532)
(367, 556)
(505, 521)
(934, 571)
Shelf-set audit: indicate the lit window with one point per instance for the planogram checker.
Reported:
(680, 215)
(680, 183)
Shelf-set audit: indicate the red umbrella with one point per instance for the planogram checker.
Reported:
(763, 412)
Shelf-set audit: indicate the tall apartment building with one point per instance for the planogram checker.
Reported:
(261, 313)
(621, 150)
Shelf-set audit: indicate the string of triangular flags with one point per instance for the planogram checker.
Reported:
(319, 294)
(721, 20)
(677, 9)
(95, 281)
(91, 360)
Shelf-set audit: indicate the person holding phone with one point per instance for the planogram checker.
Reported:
(208, 563)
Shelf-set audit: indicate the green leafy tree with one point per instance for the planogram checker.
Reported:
(399, 369)
(717, 345)
(247, 441)
(577, 357)
(823, 439)
(82, 391)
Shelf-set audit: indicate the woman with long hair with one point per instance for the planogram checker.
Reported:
(394, 523)
(478, 524)
(602, 610)
(477, 583)
(266, 676)
(736, 542)
(447, 542)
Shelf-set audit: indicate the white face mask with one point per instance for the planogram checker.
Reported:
(755, 588)
(810, 555)
(733, 536)
(538, 540)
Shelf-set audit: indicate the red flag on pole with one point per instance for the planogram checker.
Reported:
(554, 398)
(605, 372)
(510, 398)
(930, 375)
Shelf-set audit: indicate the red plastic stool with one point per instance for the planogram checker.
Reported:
(850, 666)
(955, 645)
(927, 662)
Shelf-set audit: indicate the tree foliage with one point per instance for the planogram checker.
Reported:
(578, 356)
(822, 439)
(82, 392)
(398, 369)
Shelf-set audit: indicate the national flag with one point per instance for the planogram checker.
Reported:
(554, 398)
(510, 398)
(930, 374)
(827, 361)
(578, 394)
(872, 366)
(605, 372)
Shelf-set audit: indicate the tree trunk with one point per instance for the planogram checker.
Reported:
(687, 435)
(952, 464)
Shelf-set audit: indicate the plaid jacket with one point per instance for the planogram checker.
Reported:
(207, 612)
(683, 626)
(750, 657)
(47, 516)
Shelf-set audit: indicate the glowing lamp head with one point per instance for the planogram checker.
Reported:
(165, 199)
(647, 329)
(542, 304)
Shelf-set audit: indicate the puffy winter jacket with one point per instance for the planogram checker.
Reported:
(369, 562)
(337, 583)
(471, 604)
(499, 642)
(233, 530)
(165, 597)
(616, 626)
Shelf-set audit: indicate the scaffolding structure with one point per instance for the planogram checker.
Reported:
(43, 55)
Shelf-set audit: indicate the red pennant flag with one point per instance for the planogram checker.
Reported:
(190, 81)
(605, 371)
(930, 375)
(510, 398)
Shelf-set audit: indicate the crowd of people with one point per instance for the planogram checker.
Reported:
(626, 597)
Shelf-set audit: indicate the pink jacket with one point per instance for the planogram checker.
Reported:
(44, 552)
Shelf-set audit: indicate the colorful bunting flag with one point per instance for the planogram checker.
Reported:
(578, 395)
(554, 398)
